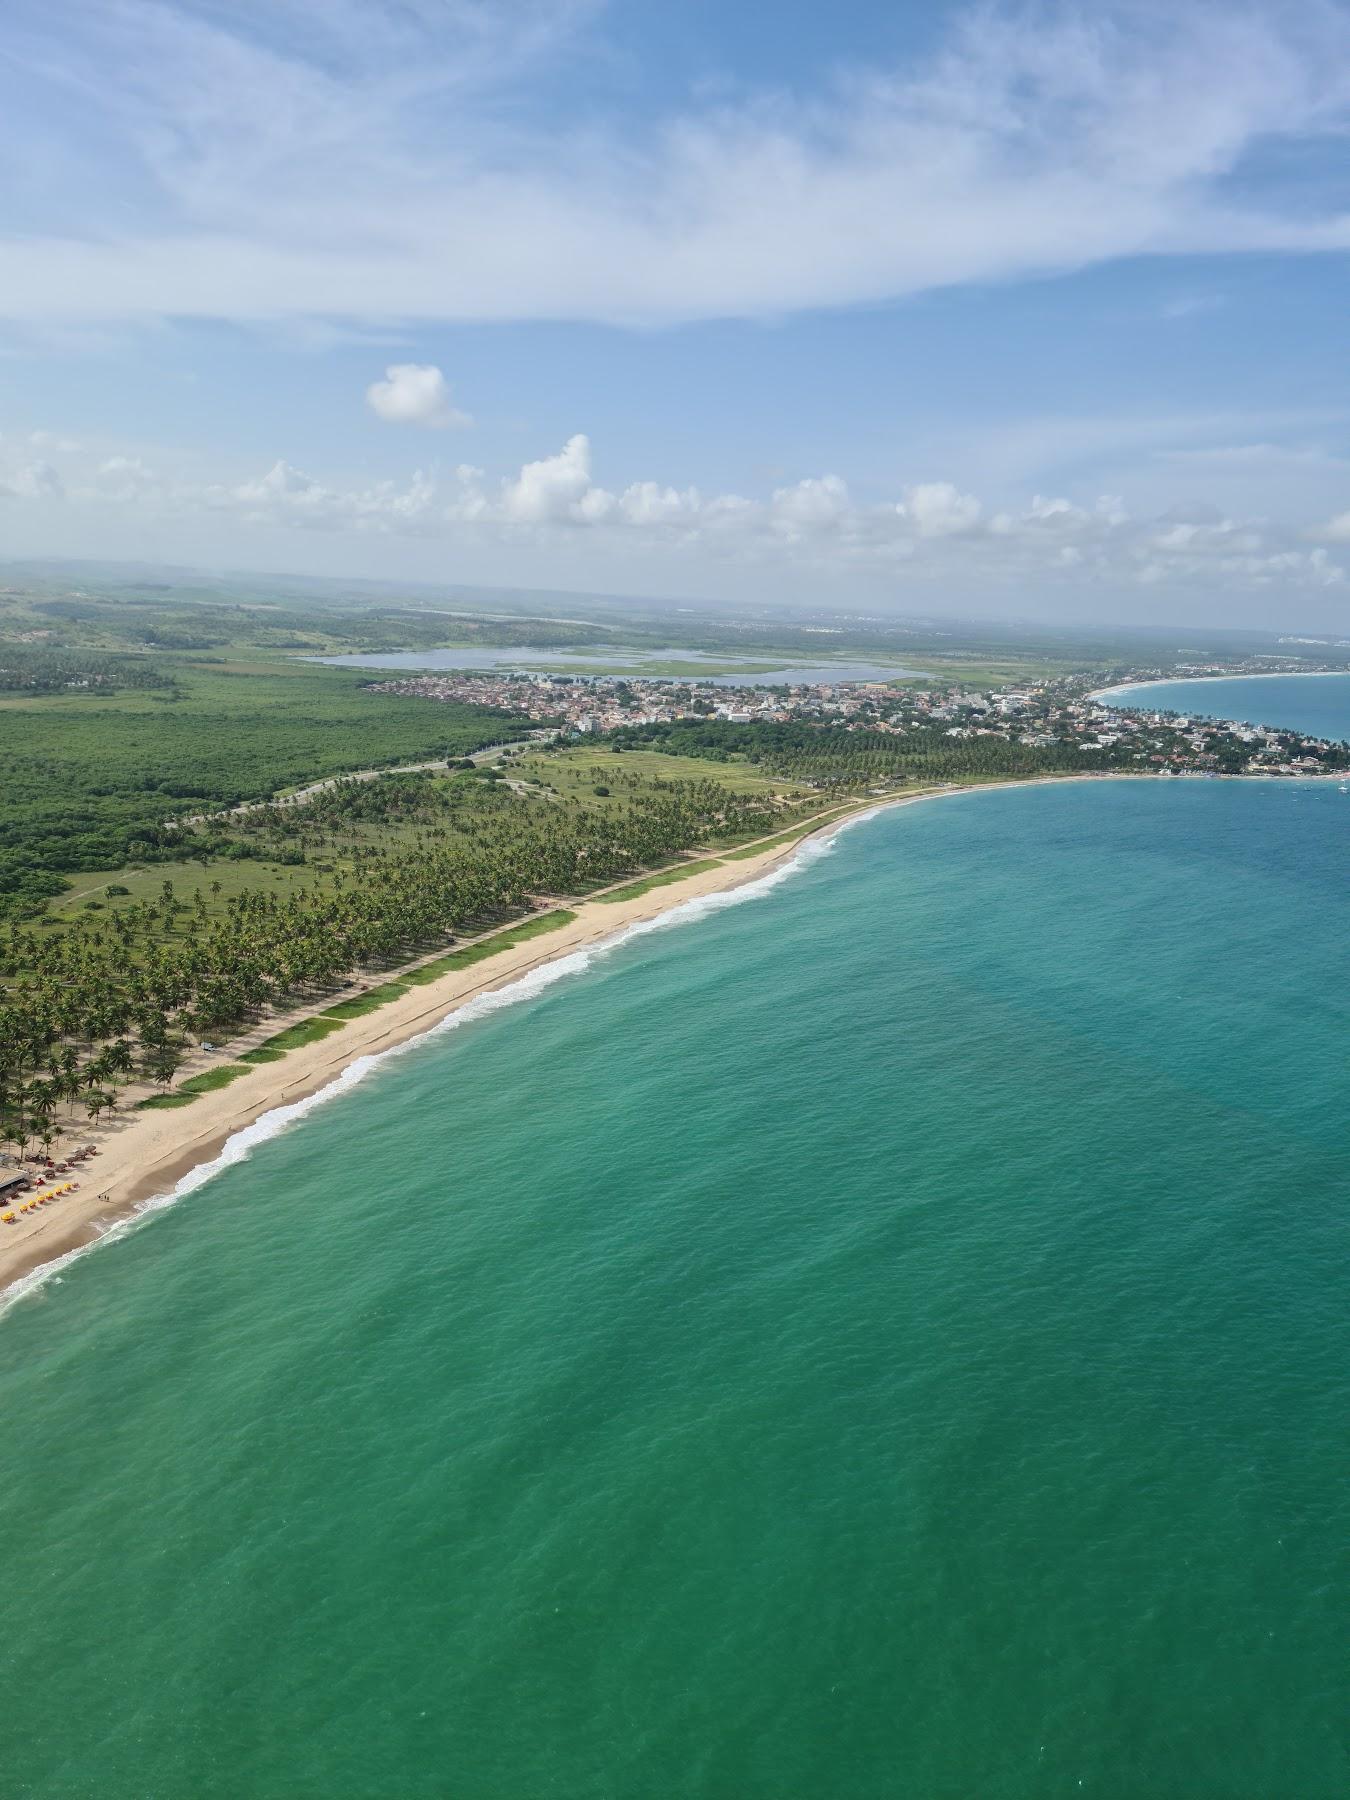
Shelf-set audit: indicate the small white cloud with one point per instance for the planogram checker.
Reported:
(937, 509)
(414, 394)
(1337, 529)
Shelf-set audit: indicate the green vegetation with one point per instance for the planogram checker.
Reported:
(40, 669)
(636, 889)
(92, 781)
(197, 616)
(833, 756)
(139, 914)
(786, 837)
(295, 1037)
(574, 773)
(500, 940)
(369, 1002)
(210, 1081)
(393, 868)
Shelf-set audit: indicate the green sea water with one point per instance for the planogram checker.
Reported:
(881, 1337)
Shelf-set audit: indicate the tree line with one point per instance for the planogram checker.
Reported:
(124, 993)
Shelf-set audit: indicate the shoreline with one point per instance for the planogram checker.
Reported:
(147, 1160)
(154, 1158)
(1138, 687)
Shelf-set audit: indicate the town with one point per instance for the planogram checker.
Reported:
(1068, 712)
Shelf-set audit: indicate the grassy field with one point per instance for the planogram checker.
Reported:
(786, 837)
(982, 672)
(295, 1037)
(681, 872)
(369, 1002)
(85, 778)
(491, 946)
(572, 775)
(576, 773)
(210, 1081)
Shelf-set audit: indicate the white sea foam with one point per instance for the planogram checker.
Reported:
(240, 1145)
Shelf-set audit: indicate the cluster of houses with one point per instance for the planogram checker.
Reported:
(590, 703)
(1063, 712)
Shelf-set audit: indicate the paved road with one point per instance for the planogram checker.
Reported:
(493, 753)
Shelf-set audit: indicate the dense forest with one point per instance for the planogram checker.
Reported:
(42, 669)
(93, 783)
(828, 756)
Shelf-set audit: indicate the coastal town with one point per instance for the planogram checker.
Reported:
(1066, 713)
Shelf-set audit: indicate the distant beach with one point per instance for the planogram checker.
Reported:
(1140, 687)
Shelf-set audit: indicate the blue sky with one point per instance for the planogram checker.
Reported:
(1034, 310)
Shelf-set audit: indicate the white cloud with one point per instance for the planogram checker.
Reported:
(356, 162)
(648, 503)
(552, 488)
(414, 394)
(813, 504)
(934, 537)
(288, 496)
(937, 509)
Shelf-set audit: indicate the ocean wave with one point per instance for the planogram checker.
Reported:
(238, 1147)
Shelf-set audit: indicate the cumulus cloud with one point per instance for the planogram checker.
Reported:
(352, 163)
(414, 394)
(937, 509)
(552, 488)
(288, 496)
(932, 533)
(813, 503)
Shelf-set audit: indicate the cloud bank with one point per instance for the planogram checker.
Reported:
(929, 532)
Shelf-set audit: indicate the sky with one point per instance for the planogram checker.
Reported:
(1033, 310)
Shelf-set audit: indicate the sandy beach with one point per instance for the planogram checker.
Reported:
(145, 1154)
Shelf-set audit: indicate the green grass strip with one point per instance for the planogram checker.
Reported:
(637, 888)
(208, 1082)
(504, 940)
(262, 1055)
(361, 1004)
(786, 837)
(295, 1037)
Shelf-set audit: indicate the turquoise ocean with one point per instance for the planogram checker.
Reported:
(1317, 704)
(880, 1336)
